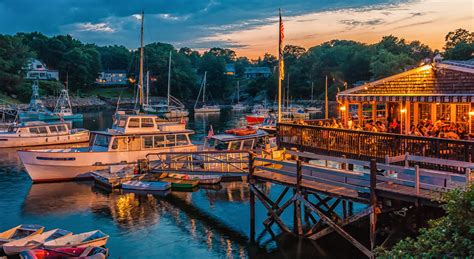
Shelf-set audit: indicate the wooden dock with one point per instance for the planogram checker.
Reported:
(317, 190)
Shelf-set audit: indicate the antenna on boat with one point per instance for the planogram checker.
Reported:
(140, 80)
(169, 80)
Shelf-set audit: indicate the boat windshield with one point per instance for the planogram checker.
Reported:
(216, 144)
(102, 141)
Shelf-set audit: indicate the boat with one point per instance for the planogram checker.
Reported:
(238, 106)
(19, 232)
(92, 238)
(257, 140)
(205, 108)
(255, 119)
(131, 138)
(178, 184)
(146, 186)
(39, 133)
(116, 175)
(33, 241)
(311, 109)
(38, 112)
(202, 179)
(90, 252)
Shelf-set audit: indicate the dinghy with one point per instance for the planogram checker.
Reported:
(19, 232)
(202, 179)
(180, 183)
(92, 238)
(146, 186)
(89, 252)
(33, 241)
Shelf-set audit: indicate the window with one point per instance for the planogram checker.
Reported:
(39, 66)
(134, 143)
(248, 144)
(170, 140)
(34, 131)
(181, 140)
(424, 112)
(159, 141)
(61, 128)
(147, 123)
(354, 111)
(462, 113)
(42, 130)
(235, 145)
(148, 142)
(134, 123)
(119, 144)
(102, 141)
(443, 112)
(121, 122)
(53, 129)
(380, 112)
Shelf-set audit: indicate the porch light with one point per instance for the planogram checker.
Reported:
(471, 113)
(403, 110)
(342, 108)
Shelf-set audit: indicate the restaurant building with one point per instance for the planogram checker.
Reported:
(441, 91)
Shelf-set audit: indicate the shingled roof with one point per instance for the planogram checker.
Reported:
(449, 81)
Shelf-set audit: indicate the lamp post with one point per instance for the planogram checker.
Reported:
(402, 117)
(343, 114)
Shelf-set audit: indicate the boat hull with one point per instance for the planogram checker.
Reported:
(27, 141)
(252, 119)
(146, 186)
(207, 110)
(59, 165)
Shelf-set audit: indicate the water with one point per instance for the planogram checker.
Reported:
(207, 223)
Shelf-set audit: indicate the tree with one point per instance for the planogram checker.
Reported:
(294, 51)
(115, 57)
(218, 84)
(268, 60)
(451, 236)
(459, 44)
(228, 54)
(386, 63)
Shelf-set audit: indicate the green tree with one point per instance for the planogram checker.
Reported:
(228, 54)
(218, 84)
(386, 63)
(459, 44)
(115, 57)
(451, 236)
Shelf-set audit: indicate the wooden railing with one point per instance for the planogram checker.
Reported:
(364, 145)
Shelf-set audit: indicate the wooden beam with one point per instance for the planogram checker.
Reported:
(338, 229)
(252, 216)
(373, 202)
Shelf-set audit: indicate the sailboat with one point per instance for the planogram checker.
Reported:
(205, 108)
(37, 110)
(238, 106)
(173, 108)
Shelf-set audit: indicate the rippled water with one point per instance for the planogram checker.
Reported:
(207, 223)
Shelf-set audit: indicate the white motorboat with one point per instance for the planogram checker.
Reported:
(33, 241)
(207, 109)
(202, 179)
(92, 238)
(311, 109)
(131, 138)
(146, 186)
(39, 133)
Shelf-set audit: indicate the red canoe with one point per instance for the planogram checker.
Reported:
(68, 252)
(254, 119)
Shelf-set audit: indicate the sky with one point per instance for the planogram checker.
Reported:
(247, 26)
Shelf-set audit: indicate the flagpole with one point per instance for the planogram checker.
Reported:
(279, 65)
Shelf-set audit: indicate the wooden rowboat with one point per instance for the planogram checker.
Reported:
(19, 232)
(33, 241)
(90, 252)
(180, 183)
(202, 179)
(92, 238)
(146, 186)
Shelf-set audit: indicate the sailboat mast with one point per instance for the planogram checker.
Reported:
(169, 79)
(288, 92)
(140, 82)
(312, 87)
(238, 91)
(204, 88)
(147, 87)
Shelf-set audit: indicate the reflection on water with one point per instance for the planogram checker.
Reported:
(210, 222)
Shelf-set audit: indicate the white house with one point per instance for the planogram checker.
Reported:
(112, 77)
(35, 69)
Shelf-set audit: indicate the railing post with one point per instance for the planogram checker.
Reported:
(468, 177)
(417, 179)
(252, 196)
(407, 163)
(297, 205)
(373, 202)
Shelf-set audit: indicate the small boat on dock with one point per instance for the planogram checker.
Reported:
(90, 252)
(38, 133)
(92, 238)
(202, 179)
(146, 185)
(19, 232)
(180, 184)
(205, 108)
(114, 178)
(33, 241)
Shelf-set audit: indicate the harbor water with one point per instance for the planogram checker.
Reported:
(210, 222)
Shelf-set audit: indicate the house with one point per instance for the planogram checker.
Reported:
(112, 77)
(441, 91)
(257, 72)
(35, 69)
(230, 69)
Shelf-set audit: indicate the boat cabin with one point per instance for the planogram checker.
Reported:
(39, 128)
(141, 133)
(259, 140)
(144, 124)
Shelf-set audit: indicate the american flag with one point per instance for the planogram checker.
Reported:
(211, 132)
(281, 64)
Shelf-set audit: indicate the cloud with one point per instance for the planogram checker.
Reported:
(98, 27)
(371, 22)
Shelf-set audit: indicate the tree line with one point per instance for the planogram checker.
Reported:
(344, 62)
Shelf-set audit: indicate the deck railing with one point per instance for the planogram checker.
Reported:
(364, 145)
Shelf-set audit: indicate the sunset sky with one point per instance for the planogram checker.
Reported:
(249, 27)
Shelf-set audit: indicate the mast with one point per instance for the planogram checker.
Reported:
(312, 87)
(238, 91)
(288, 92)
(169, 79)
(281, 73)
(140, 82)
(326, 100)
(147, 87)
(204, 88)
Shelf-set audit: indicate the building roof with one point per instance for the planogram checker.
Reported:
(449, 81)
(257, 70)
(230, 68)
(114, 71)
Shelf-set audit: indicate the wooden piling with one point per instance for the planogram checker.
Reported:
(373, 202)
(297, 205)
(252, 197)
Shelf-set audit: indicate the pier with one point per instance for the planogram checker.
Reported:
(316, 191)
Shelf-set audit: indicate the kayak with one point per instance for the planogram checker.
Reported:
(180, 183)
(146, 186)
(90, 252)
